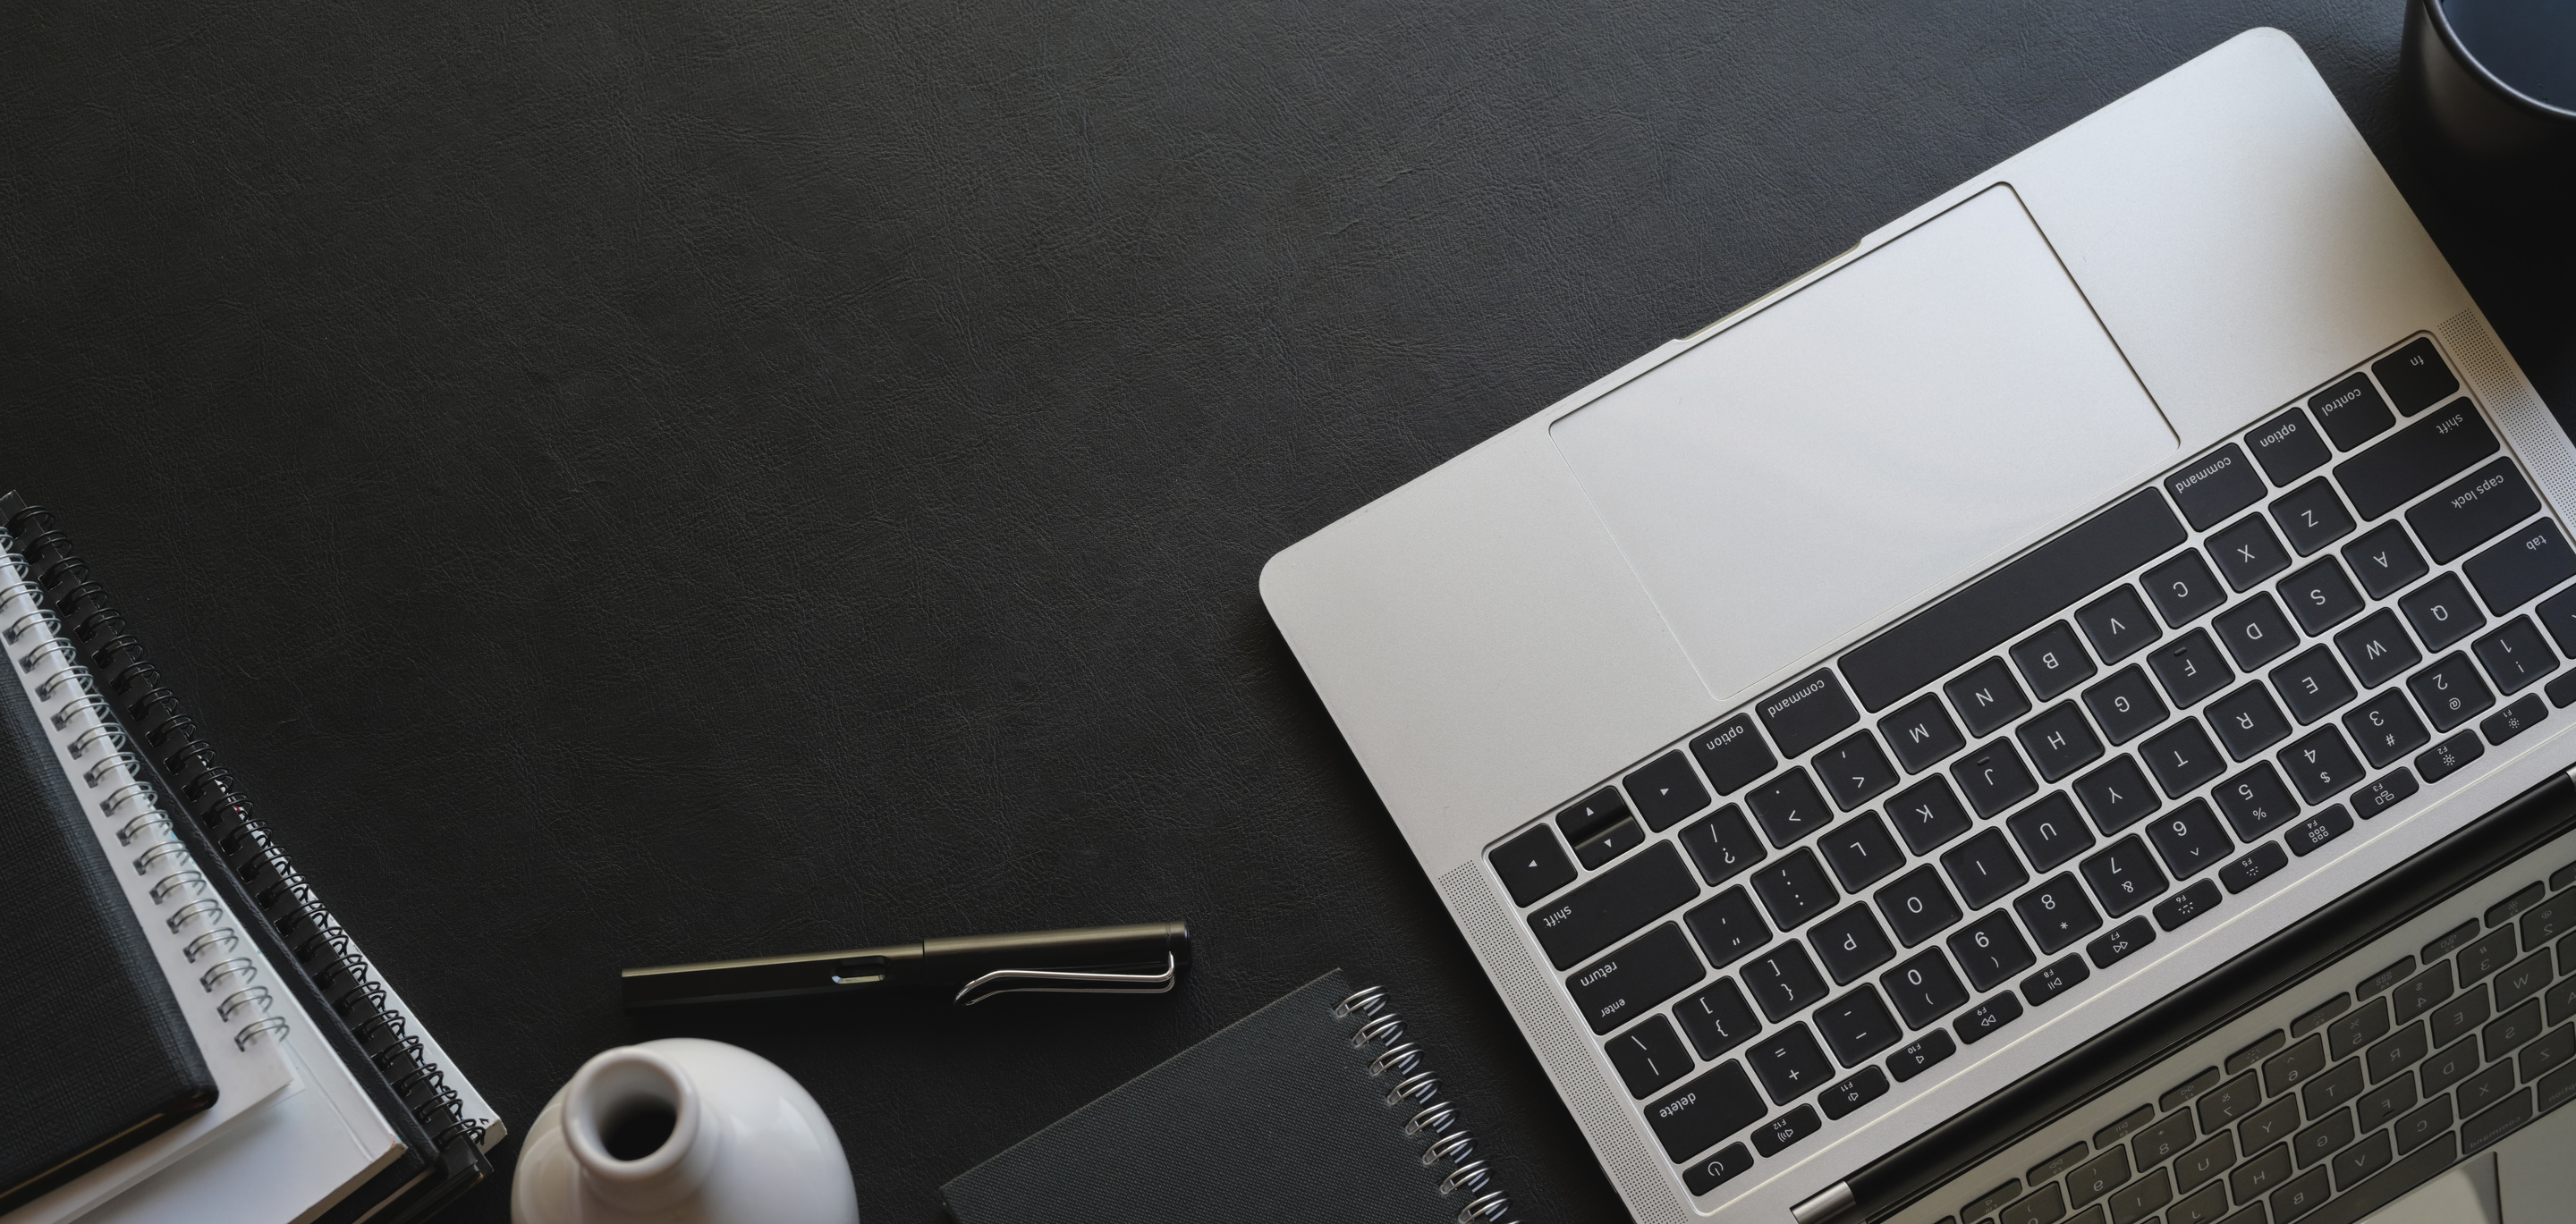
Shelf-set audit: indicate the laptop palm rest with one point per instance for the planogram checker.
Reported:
(1864, 443)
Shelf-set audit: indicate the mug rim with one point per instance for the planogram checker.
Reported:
(2441, 22)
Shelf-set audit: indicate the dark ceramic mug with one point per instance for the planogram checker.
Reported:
(2494, 82)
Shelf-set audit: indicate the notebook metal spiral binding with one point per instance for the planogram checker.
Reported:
(123, 680)
(1435, 1119)
(120, 772)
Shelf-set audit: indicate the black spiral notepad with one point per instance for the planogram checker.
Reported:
(359, 1021)
(1313, 1108)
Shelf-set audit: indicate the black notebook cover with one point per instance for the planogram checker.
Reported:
(1279, 1117)
(95, 1056)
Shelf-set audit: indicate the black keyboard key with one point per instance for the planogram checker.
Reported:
(1783, 982)
(2384, 792)
(1631, 981)
(1811, 710)
(2312, 684)
(2294, 1066)
(2515, 656)
(1993, 777)
(1789, 807)
(2183, 588)
(2116, 944)
(1975, 1024)
(2039, 584)
(1984, 869)
(2117, 795)
(1533, 865)
(2287, 446)
(2558, 615)
(2217, 486)
(2512, 720)
(2482, 1091)
(2050, 832)
(1794, 889)
(2441, 612)
(1717, 1019)
(1856, 1027)
(2248, 721)
(1861, 851)
(1648, 1056)
(2377, 649)
(2415, 377)
(2484, 956)
(2059, 741)
(2319, 829)
(1855, 770)
(2251, 867)
(1790, 1064)
(1987, 697)
(2351, 412)
(2141, 1198)
(2473, 510)
(1722, 844)
(1921, 734)
(2417, 458)
(2255, 632)
(2320, 596)
(1613, 905)
(1991, 950)
(1921, 1055)
(2052, 660)
(1927, 815)
(2189, 839)
(2506, 1118)
(2200, 898)
(2118, 624)
(2323, 1139)
(2057, 913)
(1773, 1137)
(2384, 560)
(2182, 759)
(2420, 993)
(1665, 790)
(2510, 1029)
(2220, 1107)
(2191, 668)
(1718, 1168)
(2428, 1128)
(2320, 765)
(1863, 1087)
(2203, 1164)
(2389, 1098)
(2547, 1055)
(2126, 705)
(2562, 691)
(2124, 876)
(2446, 758)
(2386, 728)
(1732, 754)
(2247, 552)
(2448, 1065)
(2356, 1029)
(1704, 1111)
(1850, 944)
(2548, 920)
(1924, 988)
(1600, 827)
(2450, 692)
(2311, 516)
(2255, 802)
(2386, 1058)
(2061, 975)
(1917, 906)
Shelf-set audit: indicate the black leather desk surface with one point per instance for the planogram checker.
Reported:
(643, 483)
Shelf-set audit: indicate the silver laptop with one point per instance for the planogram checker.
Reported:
(1838, 730)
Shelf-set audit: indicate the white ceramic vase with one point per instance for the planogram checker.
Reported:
(682, 1131)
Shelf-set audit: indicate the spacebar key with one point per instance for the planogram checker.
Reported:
(1614, 905)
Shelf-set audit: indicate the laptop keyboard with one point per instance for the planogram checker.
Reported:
(2366, 1095)
(2024, 784)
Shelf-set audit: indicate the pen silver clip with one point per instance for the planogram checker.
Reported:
(1062, 981)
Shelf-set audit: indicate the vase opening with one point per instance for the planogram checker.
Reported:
(638, 1128)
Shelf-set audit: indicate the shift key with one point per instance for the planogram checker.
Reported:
(2415, 458)
(1614, 905)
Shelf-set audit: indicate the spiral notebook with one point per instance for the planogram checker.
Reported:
(1313, 1108)
(134, 1032)
(378, 1125)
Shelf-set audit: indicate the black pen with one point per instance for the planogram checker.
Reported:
(1144, 958)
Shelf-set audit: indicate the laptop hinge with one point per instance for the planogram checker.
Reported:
(1829, 1205)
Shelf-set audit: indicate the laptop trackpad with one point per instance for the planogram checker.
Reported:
(1864, 443)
